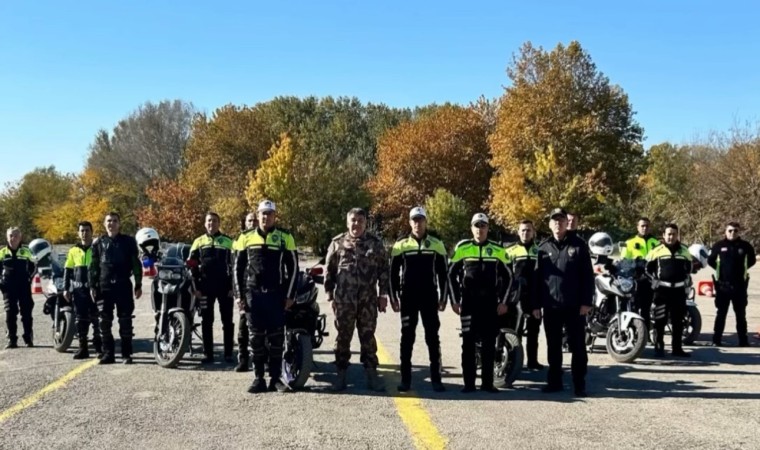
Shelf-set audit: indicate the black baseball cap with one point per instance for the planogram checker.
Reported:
(557, 212)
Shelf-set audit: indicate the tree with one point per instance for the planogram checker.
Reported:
(33, 198)
(312, 194)
(147, 144)
(448, 216)
(564, 136)
(445, 148)
(175, 211)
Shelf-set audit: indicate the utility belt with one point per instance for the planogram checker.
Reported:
(80, 285)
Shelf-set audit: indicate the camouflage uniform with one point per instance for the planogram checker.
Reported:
(356, 267)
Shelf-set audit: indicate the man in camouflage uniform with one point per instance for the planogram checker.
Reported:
(357, 265)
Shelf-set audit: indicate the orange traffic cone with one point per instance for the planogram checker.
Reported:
(37, 285)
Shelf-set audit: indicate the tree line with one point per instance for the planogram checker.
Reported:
(561, 134)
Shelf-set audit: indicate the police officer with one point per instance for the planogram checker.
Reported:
(357, 267)
(418, 266)
(523, 256)
(244, 355)
(213, 280)
(480, 281)
(565, 288)
(265, 272)
(731, 258)
(638, 247)
(16, 284)
(114, 259)
(670, 265)
(77, 288)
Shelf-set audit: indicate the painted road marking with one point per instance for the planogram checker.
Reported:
(52, 387)
(424, 433)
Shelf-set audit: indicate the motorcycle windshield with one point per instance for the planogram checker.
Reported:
(626, 268)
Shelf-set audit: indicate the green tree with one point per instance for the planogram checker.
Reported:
(448, 216)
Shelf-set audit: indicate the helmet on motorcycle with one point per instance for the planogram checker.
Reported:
(601, 244)
(42, 251)
(148, 241)
(699, 253)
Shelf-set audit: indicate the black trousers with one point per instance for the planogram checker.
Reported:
(725, 297)
(669, 303)
(15, 301)
(243, 337)
(479, 324)
(86, 313)
(120, 297)
(266, 323)
(569, 318)
(643, 299)
(412, 307)
(207, 324)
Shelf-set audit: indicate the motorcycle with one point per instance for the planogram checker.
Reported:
(305, 329)
(509, 352)
(613, 315)
(174, 308)
(60, 311)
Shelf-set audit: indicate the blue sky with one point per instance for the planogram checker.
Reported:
(70, 68)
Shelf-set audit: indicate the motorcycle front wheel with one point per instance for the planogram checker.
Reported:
(170, 347)
(63, 331)
(509, 359)
(297, 361)
(626, 345)
(692, 325)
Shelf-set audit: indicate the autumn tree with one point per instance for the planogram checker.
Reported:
(564, 136)
(445, 148)
(29, 202)
(175, 211)
(312, 194)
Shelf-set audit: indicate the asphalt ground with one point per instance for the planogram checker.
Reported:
(49, 400)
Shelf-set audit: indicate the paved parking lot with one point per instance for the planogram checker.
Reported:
(710, 400)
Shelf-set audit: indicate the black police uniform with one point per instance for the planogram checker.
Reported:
(671, 266)
(418, 267)
(75, 282)
(731, 260)
(114, 260)
(213, 278)
(479, 281)
(564, 282)
(16, 285)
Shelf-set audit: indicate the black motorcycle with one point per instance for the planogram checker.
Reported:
(304, 329)
(174, 308)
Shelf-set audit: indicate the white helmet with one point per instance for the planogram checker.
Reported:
(601, 244)
(700, 253)
(148, 241)
(40, 249)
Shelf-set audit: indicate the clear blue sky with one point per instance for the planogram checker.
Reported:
(70, 68)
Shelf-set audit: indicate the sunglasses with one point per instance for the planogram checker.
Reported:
(480, 225)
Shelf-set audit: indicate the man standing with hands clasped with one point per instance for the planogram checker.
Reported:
(565, 289)
(418, 284)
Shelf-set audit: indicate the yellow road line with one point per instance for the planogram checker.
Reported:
(424, 433)
(52, 387)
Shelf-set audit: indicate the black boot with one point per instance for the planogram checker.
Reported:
(108, 351)
(11, 344)
(244, 364)
(208, 344)
(83, 352)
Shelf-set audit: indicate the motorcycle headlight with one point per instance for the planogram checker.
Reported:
(625, 285)
(165, 274)
(176, 276)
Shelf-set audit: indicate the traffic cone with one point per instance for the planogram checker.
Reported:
(37, 285)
